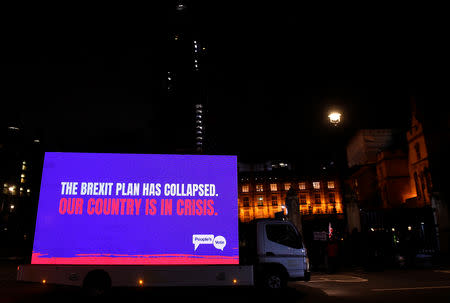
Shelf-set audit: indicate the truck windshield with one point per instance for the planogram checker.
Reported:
(284, 234)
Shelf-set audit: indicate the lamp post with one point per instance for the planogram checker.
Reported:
(335, 120)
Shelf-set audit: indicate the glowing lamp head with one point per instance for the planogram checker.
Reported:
(44, 281)
(335, 118)
(141, 282)
(234, 281)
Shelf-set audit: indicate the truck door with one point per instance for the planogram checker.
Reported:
(283, 245)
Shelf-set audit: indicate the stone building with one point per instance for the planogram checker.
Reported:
(262, 195)
(400, 182)
(418, 163)
(393, 182)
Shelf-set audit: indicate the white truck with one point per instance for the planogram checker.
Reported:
(73, 239)
(272, 253)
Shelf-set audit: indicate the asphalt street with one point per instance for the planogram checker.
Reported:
(408, 285)
(413, 285)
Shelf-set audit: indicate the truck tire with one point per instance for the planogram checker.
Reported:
(97, 283)
(275, 280)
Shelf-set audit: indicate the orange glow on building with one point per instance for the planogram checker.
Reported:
(418, 163)
(323, 200)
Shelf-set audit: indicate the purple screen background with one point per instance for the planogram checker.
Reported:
(68, 236)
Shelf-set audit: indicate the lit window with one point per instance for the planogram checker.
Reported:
(259, 187)
(302, 185)
(246, 202)
(274, 201)
(331, 184)
(287, 186)
(316, 185)
(273, 187)
(260, 201)
(22, 175)
(245, 188)
(302, 198)
(317, 199)
(332, 197)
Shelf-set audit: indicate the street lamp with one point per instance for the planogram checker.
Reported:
(335, 118)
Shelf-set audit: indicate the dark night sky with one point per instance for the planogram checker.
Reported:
(275, 71)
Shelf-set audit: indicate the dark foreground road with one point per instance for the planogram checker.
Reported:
(432, 285)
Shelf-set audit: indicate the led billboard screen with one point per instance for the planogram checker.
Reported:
(137, 209)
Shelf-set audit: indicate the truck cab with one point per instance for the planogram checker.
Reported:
(276, 250)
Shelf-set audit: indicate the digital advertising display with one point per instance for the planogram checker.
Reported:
(136, 209)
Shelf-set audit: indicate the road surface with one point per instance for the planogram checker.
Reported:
(420, 285)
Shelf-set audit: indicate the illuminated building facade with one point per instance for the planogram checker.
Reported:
(386, 176)
(418, 163)
(263, 195)
(400, 184)
(393, 178)
(379, 169)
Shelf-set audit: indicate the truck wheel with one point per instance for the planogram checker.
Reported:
(97, 283)
(275, 280)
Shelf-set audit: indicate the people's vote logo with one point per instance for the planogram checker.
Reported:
(219, 242)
